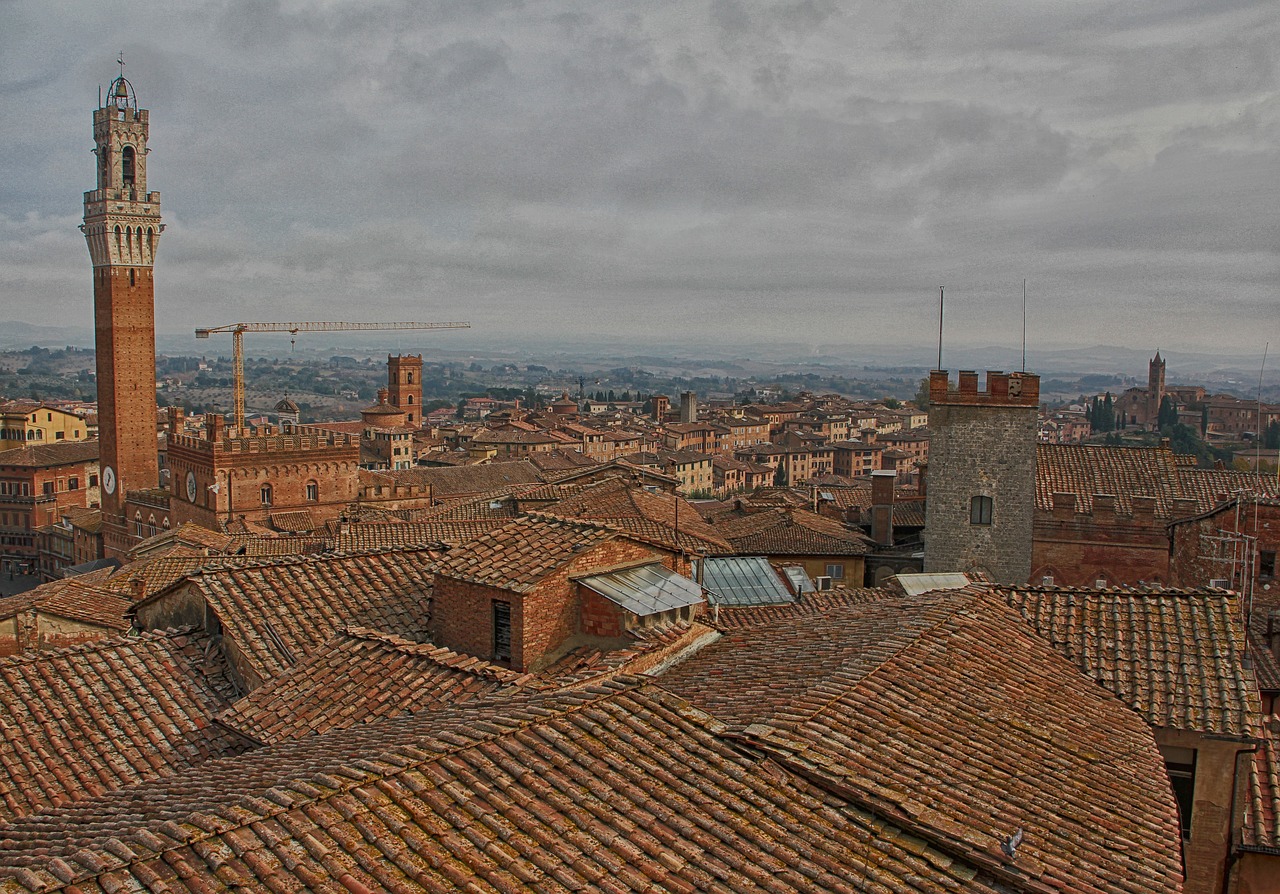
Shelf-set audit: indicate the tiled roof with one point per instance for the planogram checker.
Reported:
(276, 612)
(296, 521)
(791, 532)
(466, 480)
(73, 599)
(1262, 813)
(1126, 472)
(185, 534)
(258, 545)
(358, 676)
(355, 537)
(730, 617)
(519, 554)
(947, 715)
(1123, 472)
(1174, 656)
(160, 571)
(664, 518)
(43, 455)
(612, 788)
(78, 722)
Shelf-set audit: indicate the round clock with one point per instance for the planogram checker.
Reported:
(191, 486)
(109, 479)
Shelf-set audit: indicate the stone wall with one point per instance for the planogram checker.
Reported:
(982, 444)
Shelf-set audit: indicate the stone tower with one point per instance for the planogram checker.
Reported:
(982, 474)
(404, 386)
(1155, 387)
(122, 226)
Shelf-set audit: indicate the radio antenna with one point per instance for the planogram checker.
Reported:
(939, 327)
(1024, 324)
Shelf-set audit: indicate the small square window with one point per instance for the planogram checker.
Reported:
(835, 572)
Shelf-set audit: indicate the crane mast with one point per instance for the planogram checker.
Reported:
(238, 330)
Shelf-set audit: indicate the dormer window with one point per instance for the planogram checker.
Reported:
(127, 166)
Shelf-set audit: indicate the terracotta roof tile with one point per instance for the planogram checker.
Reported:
(517, 555)
(664, 518)
(74, 599)
(96, 718)
(945, 714)
(1174, 656)
(362, 675)
(612, 789)
(783, 532)
(277, 611)
(1262, 814)
(44, 455)
(360, 536)
(1125, 472)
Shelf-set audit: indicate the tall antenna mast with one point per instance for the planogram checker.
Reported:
(1024, 324)
(1257, 435)
(939, 327)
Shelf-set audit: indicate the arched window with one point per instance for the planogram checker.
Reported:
(410, 400)
(313, 492)
(408, 378)
(266, 495)
(980, 511)
(126, 166)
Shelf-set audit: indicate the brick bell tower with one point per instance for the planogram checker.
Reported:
(404, 386)
(122, 226)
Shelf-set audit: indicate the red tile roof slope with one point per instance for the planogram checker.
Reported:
(276, 611)
(373, 535)
(79, 722)
(361, 675)
(618, 788)
(665, 517)
(1174, 656)
(791, 532)
(518, 555)
(74, 600)
(945, 713)
(1126, 472)
(727, 617)
(1262, 814)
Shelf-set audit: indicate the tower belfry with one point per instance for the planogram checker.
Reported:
(122, 227)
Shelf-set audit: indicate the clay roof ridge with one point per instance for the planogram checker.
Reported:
(441, 655)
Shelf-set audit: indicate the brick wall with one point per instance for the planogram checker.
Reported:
(982, 444)
(543, 619)
(1077, 549)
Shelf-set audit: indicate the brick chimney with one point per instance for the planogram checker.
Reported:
(214, 426)
(882, 485)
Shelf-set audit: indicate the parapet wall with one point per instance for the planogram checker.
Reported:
(1018, 389)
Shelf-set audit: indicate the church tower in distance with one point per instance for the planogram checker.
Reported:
(122, 226)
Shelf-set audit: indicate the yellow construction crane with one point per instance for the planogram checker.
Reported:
(238, 330)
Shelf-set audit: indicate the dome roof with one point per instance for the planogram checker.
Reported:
(286, 406)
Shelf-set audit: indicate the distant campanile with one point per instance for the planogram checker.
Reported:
(122, 226)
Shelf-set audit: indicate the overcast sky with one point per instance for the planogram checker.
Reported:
(807, 172)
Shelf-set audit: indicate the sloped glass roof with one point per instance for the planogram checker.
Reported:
(743, 580)
(645, 590)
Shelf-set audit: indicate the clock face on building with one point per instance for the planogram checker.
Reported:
(191, 486)
(109, 479)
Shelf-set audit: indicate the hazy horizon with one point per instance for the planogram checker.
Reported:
(722, 172)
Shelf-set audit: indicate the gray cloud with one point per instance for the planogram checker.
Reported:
(727, 170)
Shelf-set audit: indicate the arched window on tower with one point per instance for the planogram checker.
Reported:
(410, 400)
(126, 167)
(266, 495)
(409, 378)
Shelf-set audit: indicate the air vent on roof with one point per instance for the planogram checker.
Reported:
(1100, 583)
(1046, 581)
(1220, 583)
(822, 582)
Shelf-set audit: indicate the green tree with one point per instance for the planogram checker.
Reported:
(891, 403)
(1271, 439)
(1167, 417)
(921, 400)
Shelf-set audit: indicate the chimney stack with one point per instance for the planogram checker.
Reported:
(882, 487)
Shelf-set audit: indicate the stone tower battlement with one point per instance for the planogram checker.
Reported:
(1018, 389)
